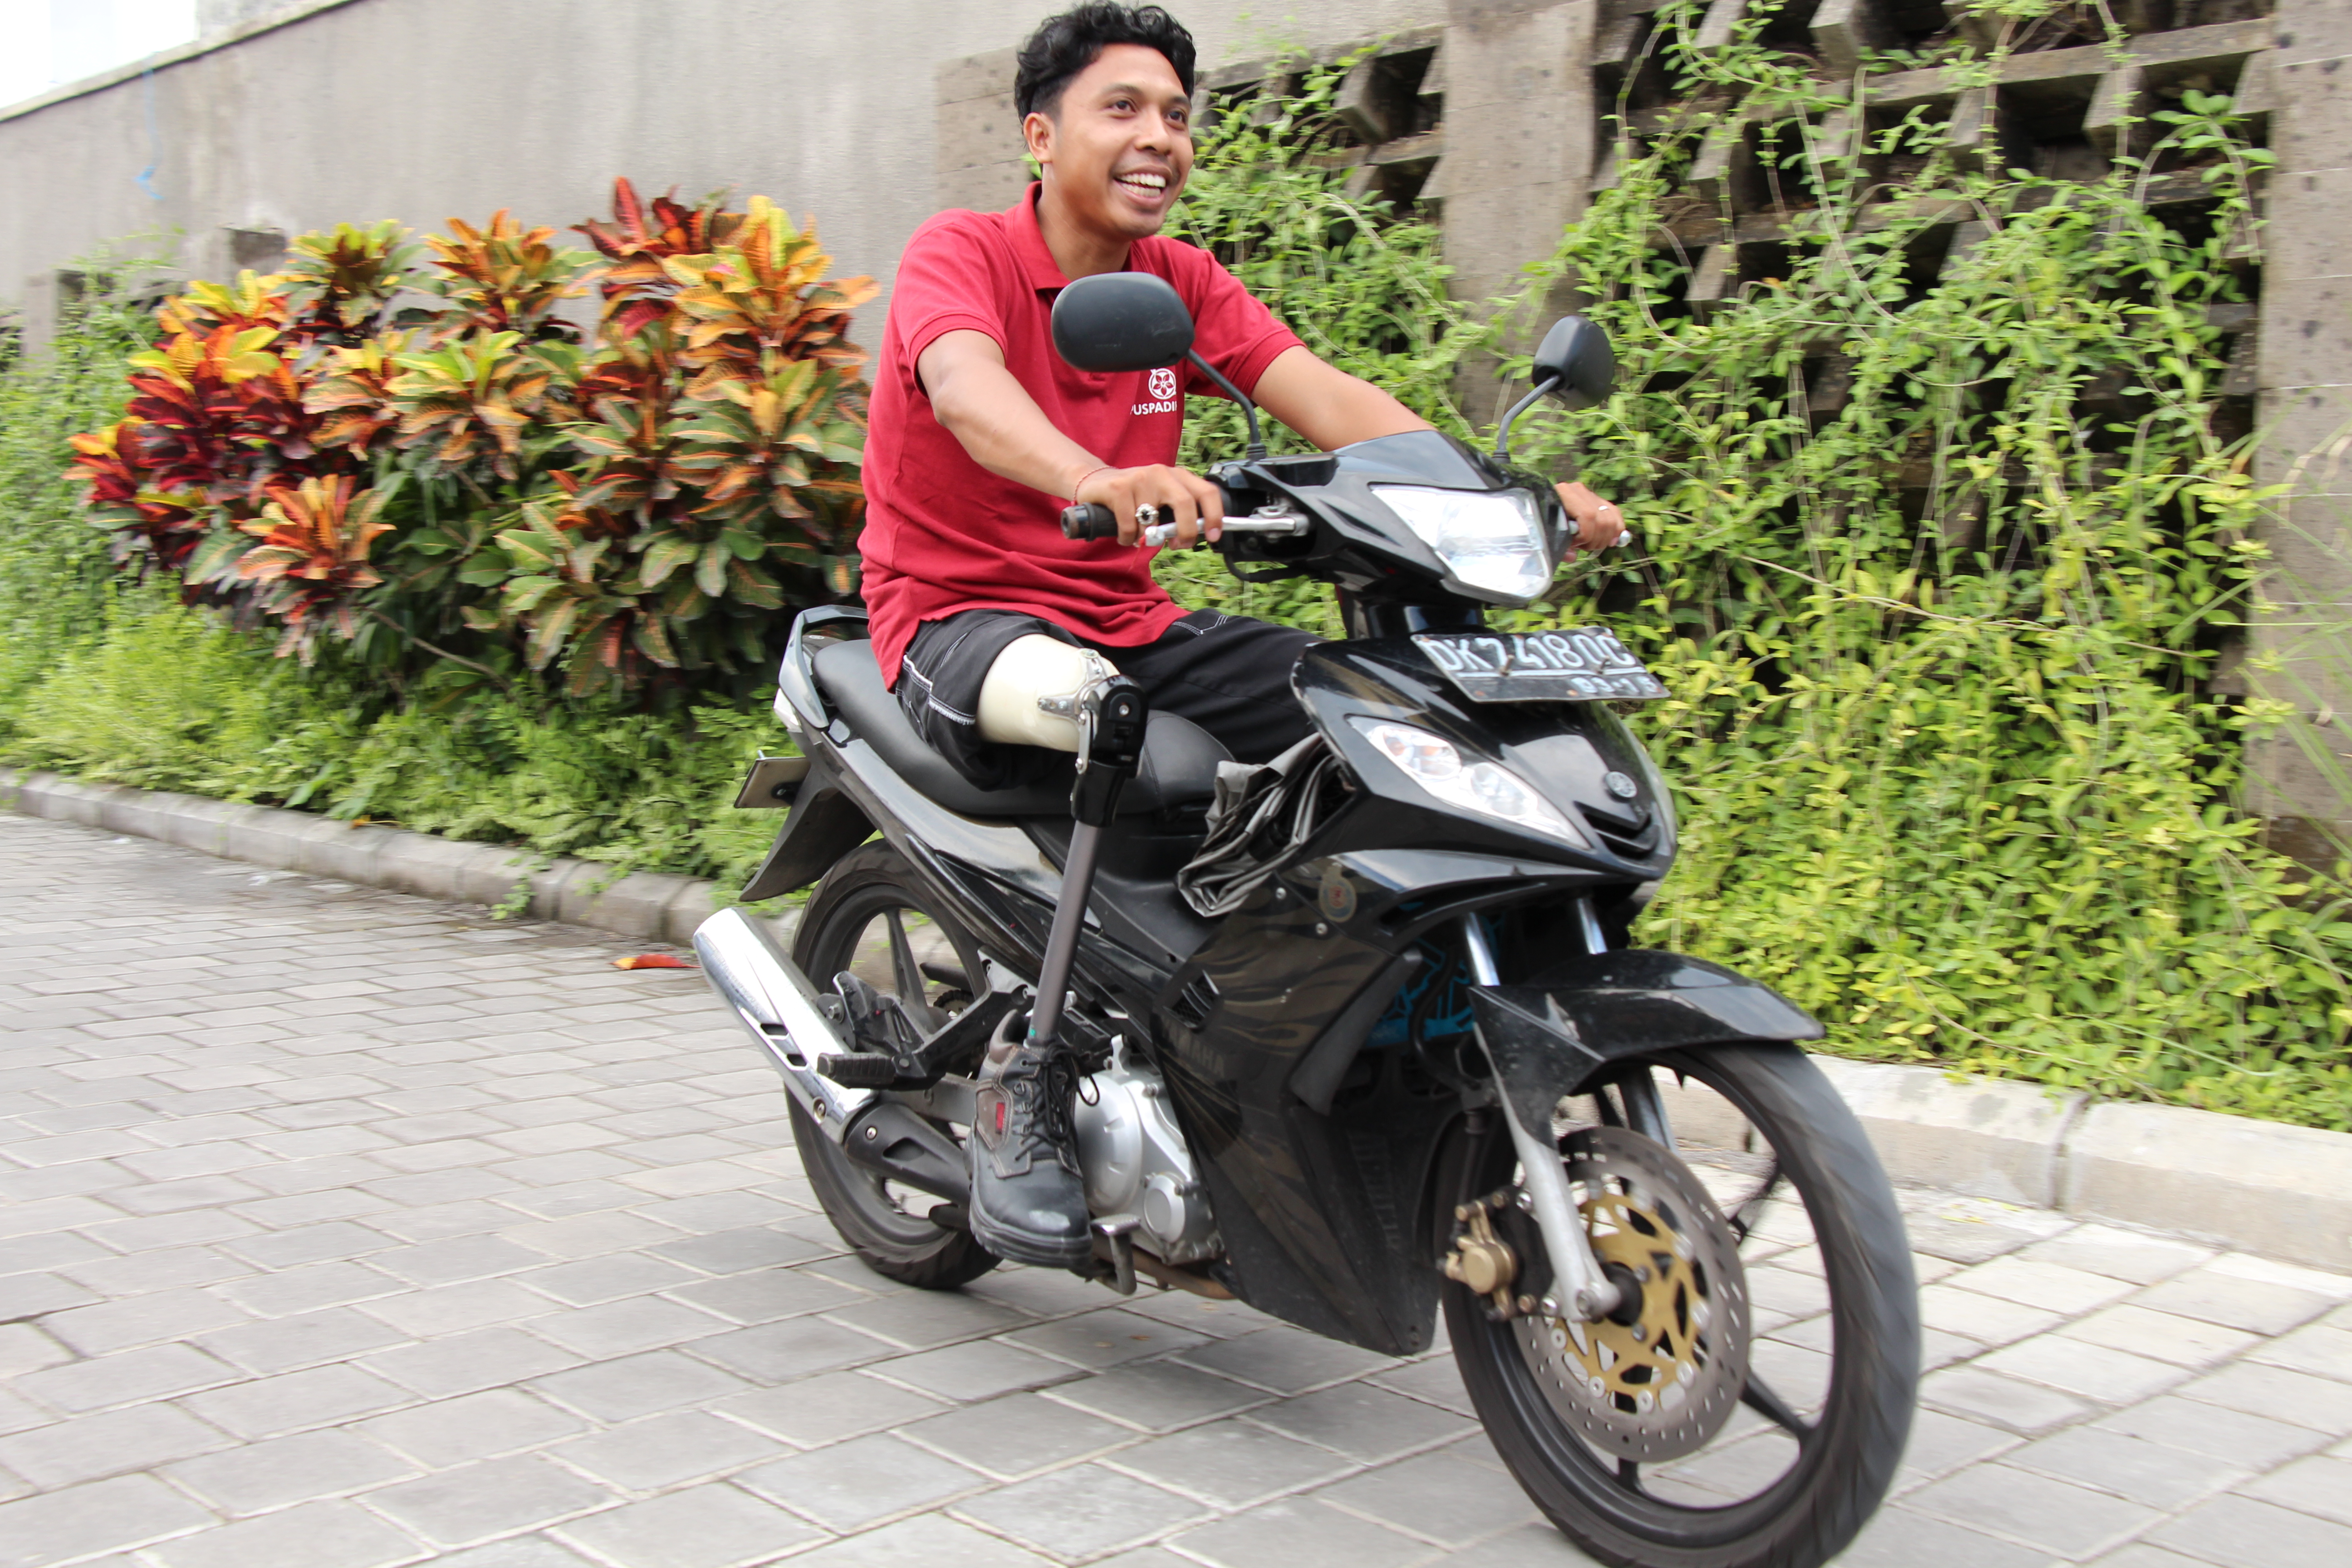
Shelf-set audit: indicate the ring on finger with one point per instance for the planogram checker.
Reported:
(1146, 515)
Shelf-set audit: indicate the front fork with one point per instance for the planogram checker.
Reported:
(1585, 1292)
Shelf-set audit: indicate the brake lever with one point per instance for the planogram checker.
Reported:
(1267, 520)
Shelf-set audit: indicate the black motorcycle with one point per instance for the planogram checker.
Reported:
(1360, 1031)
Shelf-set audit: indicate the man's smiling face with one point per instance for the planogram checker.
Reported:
(1118, 147)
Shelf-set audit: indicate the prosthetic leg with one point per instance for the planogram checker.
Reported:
(1028, 1198)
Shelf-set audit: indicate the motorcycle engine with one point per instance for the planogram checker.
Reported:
(1136, 1161)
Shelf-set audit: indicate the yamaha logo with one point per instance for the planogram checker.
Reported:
(1163, 384)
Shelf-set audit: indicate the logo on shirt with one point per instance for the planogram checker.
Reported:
(1162, 390)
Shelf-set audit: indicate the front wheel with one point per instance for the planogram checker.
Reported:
(1799, 1253)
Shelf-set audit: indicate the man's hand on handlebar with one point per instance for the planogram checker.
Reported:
(1598, 524)
(1184, 499)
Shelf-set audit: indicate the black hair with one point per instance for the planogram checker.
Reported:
(1066, 45)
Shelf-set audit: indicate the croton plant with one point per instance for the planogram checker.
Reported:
(428, 463)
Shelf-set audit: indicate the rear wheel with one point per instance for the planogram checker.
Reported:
(870, 917)
(1780, 1273)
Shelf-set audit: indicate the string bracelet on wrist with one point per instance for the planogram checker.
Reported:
(1091, 473)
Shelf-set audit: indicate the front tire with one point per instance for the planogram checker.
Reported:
(870, 892)
(1792, 1478)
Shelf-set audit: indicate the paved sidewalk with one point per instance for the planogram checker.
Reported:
(340, 1229)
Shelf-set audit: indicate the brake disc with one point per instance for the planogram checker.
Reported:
(1657, 1379)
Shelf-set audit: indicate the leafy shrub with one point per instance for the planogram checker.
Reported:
(461, 490)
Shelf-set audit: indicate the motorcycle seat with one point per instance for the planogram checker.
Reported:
(1179, 767)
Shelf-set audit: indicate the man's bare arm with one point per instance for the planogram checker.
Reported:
(1006, 433)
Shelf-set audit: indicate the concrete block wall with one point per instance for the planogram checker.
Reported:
(2305, 370)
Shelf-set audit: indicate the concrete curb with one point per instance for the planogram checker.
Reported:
(2262, 1186)
(642, 904)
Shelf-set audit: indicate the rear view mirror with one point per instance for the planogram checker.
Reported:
(1576, 361)
(1116, 321)
(1574, 364)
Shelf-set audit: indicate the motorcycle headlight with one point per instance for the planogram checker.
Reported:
(1488, 538)
(1489, 789)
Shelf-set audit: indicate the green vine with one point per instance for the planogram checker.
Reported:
(1935, 553)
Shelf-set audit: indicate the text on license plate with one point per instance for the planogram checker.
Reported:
(1540, 666)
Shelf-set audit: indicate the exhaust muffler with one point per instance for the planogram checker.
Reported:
(778, 1008)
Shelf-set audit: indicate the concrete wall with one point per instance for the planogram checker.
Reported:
(2304, 647)
(420, 110)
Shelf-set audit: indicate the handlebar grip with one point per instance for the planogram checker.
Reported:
(1089, 520)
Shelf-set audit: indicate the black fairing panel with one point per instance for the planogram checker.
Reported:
(1555, 1035)
(1565, 750)
(1321, 1214)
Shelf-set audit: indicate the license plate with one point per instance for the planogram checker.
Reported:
(1586, 666)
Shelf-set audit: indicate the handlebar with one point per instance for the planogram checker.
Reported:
(1091, 520)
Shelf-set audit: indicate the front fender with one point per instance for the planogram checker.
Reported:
(1555, 1036)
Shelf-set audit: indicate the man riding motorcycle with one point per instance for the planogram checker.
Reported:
(980, 432)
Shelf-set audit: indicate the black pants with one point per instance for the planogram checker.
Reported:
(1227, 674)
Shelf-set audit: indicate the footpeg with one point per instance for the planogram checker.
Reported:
(859, 1069)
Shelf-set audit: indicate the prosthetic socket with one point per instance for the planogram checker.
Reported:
(1043, 693)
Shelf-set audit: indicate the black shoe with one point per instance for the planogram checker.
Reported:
(1028, 1202)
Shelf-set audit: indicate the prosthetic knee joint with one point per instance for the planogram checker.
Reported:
(1045, 692)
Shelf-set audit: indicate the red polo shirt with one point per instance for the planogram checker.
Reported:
(942, 533)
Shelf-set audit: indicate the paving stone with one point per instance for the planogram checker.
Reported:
(1299, 1533)
(476, 1426)
(664, 1450)
(2091, 1371)
(1285, 1359)
(104, 1516)
(828, 1408)
(731, 1251)
(2320, 1485)
(1231, 1464)
(596, 1279)
(1436, 1381)
(264, 1407)
(2118, 1254)
(315, 1535)
(1107, 1338)
(2303, 1397)
(704, 1527)
(1947, 1307)
(1079, 1512)
(2233, 1302)
(2145, 1472)
(2316, 1349)
(115, 1443)
(2242, 1533)
(919, 1319)
(24, 1348)
(2052, 1287)
(926, 1541)
(454, 1309)
(1363, 1423)
(494, 1497)
(969, 1371)
(1898, 1538)
(2184, 1341)
(486, 1357)
(259, 1477)
(1443, 1497)
(158, 1372)
(774, 1353)
(285, 1344)
(638, 1385)
(856, 1484)
(1017, 1435)
(1966, 1392)
(1157, 1396)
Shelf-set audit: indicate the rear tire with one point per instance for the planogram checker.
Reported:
(894, 1237)
(1835, 1475)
